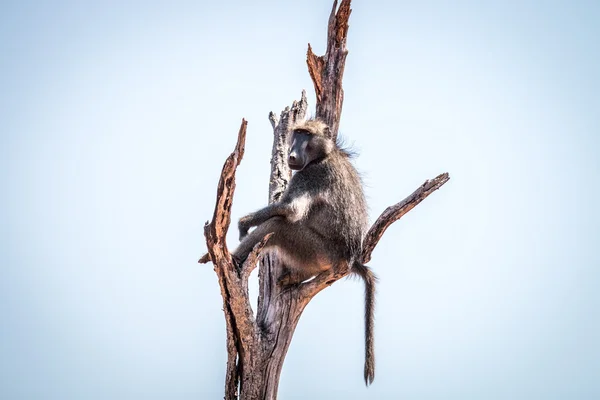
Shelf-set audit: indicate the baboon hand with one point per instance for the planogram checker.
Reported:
(243, 228)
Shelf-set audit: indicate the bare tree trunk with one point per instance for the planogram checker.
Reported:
(257, 348)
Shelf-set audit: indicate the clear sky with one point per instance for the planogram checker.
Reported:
(116, 117)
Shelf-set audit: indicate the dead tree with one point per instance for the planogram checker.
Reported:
(256, 346)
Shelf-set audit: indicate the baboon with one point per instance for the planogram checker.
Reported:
(319, 222)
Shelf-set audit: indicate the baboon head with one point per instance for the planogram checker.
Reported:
(311, 141)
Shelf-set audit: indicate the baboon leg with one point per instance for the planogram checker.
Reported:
(304, 253)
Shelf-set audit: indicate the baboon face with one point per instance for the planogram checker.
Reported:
(306, 148)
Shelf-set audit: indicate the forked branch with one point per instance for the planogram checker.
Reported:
(257, 348)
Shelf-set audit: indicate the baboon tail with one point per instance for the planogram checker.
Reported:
(370, 280)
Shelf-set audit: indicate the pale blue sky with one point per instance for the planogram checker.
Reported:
(116, 117)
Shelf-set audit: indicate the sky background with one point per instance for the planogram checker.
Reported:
(115, 120)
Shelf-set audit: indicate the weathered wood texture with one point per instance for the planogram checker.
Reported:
(257, 348)
(280, 172)
(327, 71)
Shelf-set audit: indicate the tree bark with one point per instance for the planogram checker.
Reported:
(257, 348)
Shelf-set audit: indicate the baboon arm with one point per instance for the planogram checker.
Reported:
(262, 215)
(292, 211)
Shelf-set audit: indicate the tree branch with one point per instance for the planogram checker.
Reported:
(280, 172)
(395, 212)
(388, 217)
(327, 71)
(257, 348)
(242, 334)
(252, 260)
(216, 230)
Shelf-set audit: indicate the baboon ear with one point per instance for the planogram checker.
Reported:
(327, 132)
